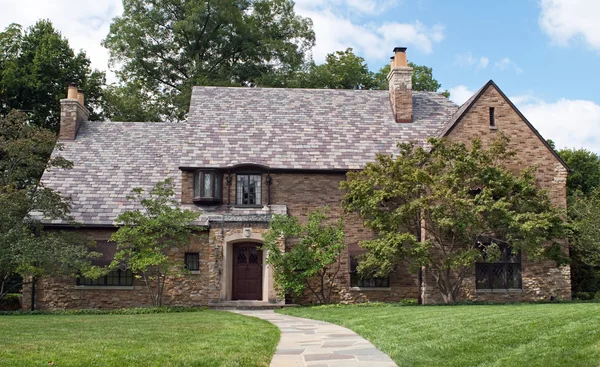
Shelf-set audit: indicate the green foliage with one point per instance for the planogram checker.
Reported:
(26, 248)
(433, 190)
(36, 65)
(128, 103)
(422, 79)
(168, 46)
(585, 171)
(119, 311)
(10, 302)
(311, 257)
(584, 212)
(145, 235)
(341, 70)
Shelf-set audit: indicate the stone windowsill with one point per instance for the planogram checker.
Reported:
(499, 291)
(105, 287)
(493, 127)
(194, 272)
(363, 289)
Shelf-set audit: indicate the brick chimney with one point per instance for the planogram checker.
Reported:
(72, 113)
(400, 85)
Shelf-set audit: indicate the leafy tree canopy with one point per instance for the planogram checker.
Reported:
(147, 234)
(310, 262)
(459, 195)
(26, 247)
(36, 65)
(168, 46)
(585, 171)
(422, 79)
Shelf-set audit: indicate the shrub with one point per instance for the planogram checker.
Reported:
(584, 296)
(121, 311)
(10, 302)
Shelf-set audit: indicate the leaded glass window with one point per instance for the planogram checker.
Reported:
(207, 186)
(501, 272)
(248, 190)
(365, 282)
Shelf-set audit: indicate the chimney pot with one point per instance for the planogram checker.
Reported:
(80, 96)
(400, 57)
(72, 91)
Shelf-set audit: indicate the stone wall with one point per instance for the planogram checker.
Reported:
(188, 290)
(541, 279)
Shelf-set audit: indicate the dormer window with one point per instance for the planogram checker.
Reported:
(207, 186)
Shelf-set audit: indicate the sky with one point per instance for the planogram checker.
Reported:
(544, 54)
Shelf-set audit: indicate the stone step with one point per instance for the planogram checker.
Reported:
(247, 305)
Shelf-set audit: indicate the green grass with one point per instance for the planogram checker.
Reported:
(476, 335)
(204, 338)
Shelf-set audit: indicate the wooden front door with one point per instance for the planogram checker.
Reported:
(247, 272)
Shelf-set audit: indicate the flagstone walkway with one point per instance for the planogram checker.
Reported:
(306, 342)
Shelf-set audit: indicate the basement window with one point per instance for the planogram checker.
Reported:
(115, 278)
(192, 261)
(492, 118)
(207, 186)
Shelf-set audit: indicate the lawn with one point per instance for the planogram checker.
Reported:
(204, 338)
(476, 335)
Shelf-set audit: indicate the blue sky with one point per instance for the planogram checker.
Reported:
(544, 54)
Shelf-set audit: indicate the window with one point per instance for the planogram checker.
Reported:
(114, 278)
(248, 190)
(492, 117)
(362, 282)
(192, 261)
(501, 273)
(118, 277)
(207, 186)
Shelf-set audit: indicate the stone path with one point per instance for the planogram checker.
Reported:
(306, 342)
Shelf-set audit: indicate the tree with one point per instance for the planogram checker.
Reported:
(583, 184)
(584, 177)
(36, 66)
(145, 235)
(26, 247)
(458, 196)
(422, 79)
(341, 70)
(311, 260)
(168, 46)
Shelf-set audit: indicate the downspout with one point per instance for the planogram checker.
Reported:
(269, 181)
(228, 180)
(33, 280)
(420, 271)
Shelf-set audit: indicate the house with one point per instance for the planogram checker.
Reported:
(245, 154)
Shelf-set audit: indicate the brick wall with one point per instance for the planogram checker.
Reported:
(541, 279)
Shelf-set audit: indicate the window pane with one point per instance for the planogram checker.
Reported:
(208, 190)
(482, 280)
(248, 190)
(197, 177)
(192, 261)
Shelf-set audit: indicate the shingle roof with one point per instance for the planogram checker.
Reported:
(278, 128)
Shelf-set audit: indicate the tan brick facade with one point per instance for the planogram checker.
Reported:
(302, 192)
(541, 280)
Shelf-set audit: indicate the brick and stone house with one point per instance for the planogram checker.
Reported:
(244, 154)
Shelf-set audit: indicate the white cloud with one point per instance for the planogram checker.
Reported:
(569, 123)
(84, 23)
(357, 7)
(507, 63)
(460, 94)
(567, 20)
(483, 62)
(467, 59)
(335, 32)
